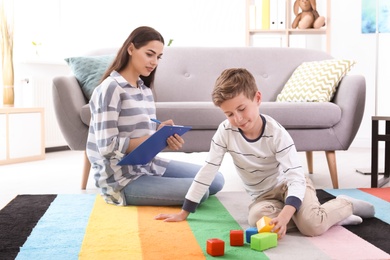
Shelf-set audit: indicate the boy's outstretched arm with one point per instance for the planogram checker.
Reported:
(177, 217)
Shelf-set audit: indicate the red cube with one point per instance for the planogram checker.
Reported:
(215, 247)
(236, 237)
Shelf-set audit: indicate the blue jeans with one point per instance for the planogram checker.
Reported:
(169, 189)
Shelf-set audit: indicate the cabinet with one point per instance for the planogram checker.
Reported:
(21, 134)
(285, 33)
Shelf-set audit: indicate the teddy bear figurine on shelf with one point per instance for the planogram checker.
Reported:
(309, 17)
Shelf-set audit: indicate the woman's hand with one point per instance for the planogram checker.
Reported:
(174, 142)
(181, 216)
(164, 123)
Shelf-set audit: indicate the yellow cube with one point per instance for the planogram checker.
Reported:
(263, 224)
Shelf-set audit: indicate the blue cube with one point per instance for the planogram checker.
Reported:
(249, 232)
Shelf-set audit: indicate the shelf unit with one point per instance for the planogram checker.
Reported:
(288, 31)
(22, 134)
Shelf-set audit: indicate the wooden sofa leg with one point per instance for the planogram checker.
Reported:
(309, 159)
(331, 158)
(86, 168)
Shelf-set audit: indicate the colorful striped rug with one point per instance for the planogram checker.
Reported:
(84, 227)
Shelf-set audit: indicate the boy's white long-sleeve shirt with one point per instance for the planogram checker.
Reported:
(262, 164)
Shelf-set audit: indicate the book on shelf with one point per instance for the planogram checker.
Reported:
(273, 14)
(281, 20)
(252, 17)
(259, 15)
(265, 21)
(267, 15)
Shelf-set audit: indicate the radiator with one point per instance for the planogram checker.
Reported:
(37, 92)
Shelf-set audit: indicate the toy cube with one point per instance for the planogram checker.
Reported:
(236, 237)
(215, 247)
(263, 241)
(263, 224)
(249, 232)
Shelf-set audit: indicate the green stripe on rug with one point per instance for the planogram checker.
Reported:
(212, 220)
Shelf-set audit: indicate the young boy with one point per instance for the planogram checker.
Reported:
(266, 159)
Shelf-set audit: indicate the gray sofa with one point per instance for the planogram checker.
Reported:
(182, 88)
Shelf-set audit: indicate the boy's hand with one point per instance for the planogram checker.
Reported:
(280, 227)
(173, 217)
(282, 220)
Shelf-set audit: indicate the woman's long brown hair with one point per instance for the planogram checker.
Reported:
(139, 37)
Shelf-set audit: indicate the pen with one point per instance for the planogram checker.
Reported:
(156, 120)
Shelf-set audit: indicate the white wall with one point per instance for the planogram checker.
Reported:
(348, 42)
(72, 27)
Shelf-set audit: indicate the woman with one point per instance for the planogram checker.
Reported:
(122, 107)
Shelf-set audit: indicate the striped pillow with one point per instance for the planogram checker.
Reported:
(315, 81)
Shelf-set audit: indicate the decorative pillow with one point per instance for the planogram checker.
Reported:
(89, 70)
(315, 81)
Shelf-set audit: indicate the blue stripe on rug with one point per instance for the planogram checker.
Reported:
(52, 237)
(381, 206)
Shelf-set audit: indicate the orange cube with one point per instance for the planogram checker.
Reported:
(263, 224)
(215, 247)
(236, 237)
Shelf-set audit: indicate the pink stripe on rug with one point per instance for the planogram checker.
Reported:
(339, 243)
(383, 193)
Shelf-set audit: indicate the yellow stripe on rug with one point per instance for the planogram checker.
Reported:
(166, 240)
(112, 233)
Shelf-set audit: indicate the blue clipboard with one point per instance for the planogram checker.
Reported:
(148, 149)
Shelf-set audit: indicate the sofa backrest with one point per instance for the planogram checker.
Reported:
(188, 74)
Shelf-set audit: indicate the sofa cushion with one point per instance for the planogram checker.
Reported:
(303, 115)
(89, 70)
(206, 116)
(199, 115)
(315, 81)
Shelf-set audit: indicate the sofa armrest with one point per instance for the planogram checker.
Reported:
(350, 97)
(68, 99)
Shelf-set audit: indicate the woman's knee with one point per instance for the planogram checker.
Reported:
(217, 184)
(205, 197)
